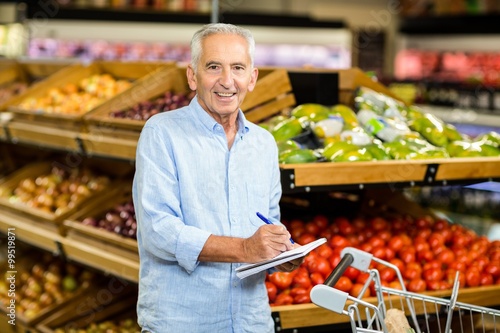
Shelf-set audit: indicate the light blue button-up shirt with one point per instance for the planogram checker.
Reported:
(188, 185)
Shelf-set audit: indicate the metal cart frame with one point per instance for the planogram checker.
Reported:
(370, 318)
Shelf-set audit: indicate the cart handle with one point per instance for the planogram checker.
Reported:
(350, 257)
(339, 270)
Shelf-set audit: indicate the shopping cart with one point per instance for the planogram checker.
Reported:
(420, 313)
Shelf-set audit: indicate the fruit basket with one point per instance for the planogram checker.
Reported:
(51, 191)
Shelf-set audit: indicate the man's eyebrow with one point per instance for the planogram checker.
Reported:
(210, 63)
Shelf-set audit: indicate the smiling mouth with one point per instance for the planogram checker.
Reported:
(225, 94)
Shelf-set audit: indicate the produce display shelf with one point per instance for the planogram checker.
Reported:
(83, 250)
(309, 315)
(42, 235)
(397, 173)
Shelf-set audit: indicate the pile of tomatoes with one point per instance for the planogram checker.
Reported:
(427, 251)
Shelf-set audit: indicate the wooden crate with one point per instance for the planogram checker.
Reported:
(107, 136)
(107, 240)
(36, 169)
(32, 72)
(353, 78)
(79, 295)
(118, 70)
(116, 309)
(153, 85)
(272, 95)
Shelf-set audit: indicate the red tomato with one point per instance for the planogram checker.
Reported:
(433, 274)
(446, 256)
(351, 273)
(302, 281)
(321, 221)
(387, 274)
(435, 240)
(395, 243)
(283, 299)
(271, 291)
(343, 284)
(385, 235)
(312, 229)
(458, 266)
(296, 223)
(338, 241)
(425, 255)
(407, 255)
(424, 222)
(441, 224)
(324, 251)
(362, 277)
(493, 268)
(396, 285)
(320, 265)
(472, 277)
(486, 279)
(421, 244)
(345, 227)
(298, 291)
(423, 233)
(359, 223)
(379, 252)
(281, 280)
(302, 299)
(412, 271)
(356, 291)
(317, 278)
(297, 232)
(376, 241)
(334, 259)
(480, 262)
(389, 254)
(417, 285)
(327, 233)
(379, 224)
(305, 238)
(398, 263)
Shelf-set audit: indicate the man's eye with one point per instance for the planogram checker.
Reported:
(213, 67)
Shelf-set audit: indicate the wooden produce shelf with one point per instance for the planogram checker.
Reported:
(309, 315)
(80, 249)
(42, 235)
(398, 173)
(49, 137)
(108, 146)
(121, 265)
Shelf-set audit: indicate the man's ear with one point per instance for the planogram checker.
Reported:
(191, 77)
(253, 79)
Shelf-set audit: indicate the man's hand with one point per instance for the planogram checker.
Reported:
(292, 264)
(266, 243)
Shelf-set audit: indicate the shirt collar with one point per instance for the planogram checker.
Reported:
(210, 122)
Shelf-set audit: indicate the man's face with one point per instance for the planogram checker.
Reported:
(224, 75)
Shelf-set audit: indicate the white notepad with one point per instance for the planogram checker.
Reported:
(249, 269)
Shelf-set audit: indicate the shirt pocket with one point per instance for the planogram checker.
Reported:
(257, 201)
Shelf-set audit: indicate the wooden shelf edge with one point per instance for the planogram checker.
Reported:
(393, 171)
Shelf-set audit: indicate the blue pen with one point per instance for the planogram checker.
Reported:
(266, 221)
